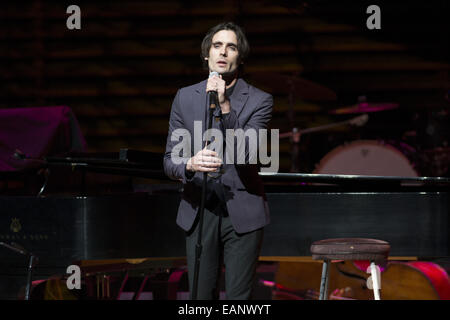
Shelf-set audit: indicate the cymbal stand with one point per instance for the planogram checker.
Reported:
(295, 138)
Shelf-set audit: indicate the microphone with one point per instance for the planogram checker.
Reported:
(212, 95)
(19, 155)
(213, 73)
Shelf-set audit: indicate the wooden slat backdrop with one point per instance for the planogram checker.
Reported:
(120, 72)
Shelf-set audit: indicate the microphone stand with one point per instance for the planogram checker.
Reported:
(212, 101)
(31, 263)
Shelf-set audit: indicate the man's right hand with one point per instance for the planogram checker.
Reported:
(205, 161)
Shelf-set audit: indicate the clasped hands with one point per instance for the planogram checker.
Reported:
(205, 161)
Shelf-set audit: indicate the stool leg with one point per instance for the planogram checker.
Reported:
(375, 280)
(323, 295)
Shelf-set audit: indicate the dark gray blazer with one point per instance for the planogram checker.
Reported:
(244, 193)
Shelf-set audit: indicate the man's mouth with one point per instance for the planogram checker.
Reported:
(221, 63)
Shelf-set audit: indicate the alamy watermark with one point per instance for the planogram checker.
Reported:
(374, 20)
(241, 146)
(74, 280)
(74, 20)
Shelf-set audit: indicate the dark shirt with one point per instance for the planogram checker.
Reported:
(228, 94)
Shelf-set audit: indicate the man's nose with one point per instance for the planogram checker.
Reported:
(223, 51)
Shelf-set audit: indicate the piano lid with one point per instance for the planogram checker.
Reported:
(350, 178)
(149, 165)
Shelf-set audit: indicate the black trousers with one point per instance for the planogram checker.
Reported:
(239, 253)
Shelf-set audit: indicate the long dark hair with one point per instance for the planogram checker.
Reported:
(242, 43)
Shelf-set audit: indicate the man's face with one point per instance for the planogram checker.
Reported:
(223, 54)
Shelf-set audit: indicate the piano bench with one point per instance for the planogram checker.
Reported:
(376, 251)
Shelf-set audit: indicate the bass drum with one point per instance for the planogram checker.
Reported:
(366, 157)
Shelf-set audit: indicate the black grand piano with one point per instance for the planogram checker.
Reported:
(120, 205)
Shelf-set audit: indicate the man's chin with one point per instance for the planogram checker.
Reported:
(228, 74)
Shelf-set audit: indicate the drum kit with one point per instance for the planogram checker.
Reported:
(360, 157)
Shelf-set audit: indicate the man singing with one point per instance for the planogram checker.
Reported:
(236, 209)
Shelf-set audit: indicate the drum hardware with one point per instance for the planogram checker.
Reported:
(367, 157)
(432, 128)
(435, 161)
(363, 106)
(295, 87)
(431, 136)
(296, 133)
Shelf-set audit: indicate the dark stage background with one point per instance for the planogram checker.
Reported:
(120, 72)
(117, 76)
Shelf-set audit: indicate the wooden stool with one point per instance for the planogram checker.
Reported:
(376, 251)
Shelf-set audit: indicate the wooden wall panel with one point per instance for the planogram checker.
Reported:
(120, 72)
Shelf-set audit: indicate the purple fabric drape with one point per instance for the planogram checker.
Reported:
(37, 132)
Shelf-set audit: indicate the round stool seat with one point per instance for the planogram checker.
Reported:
(350, 249)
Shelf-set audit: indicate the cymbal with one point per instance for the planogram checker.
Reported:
(298, 87)
(364, 107)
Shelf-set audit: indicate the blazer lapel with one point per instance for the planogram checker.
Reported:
(239, 96)
(200, 107)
